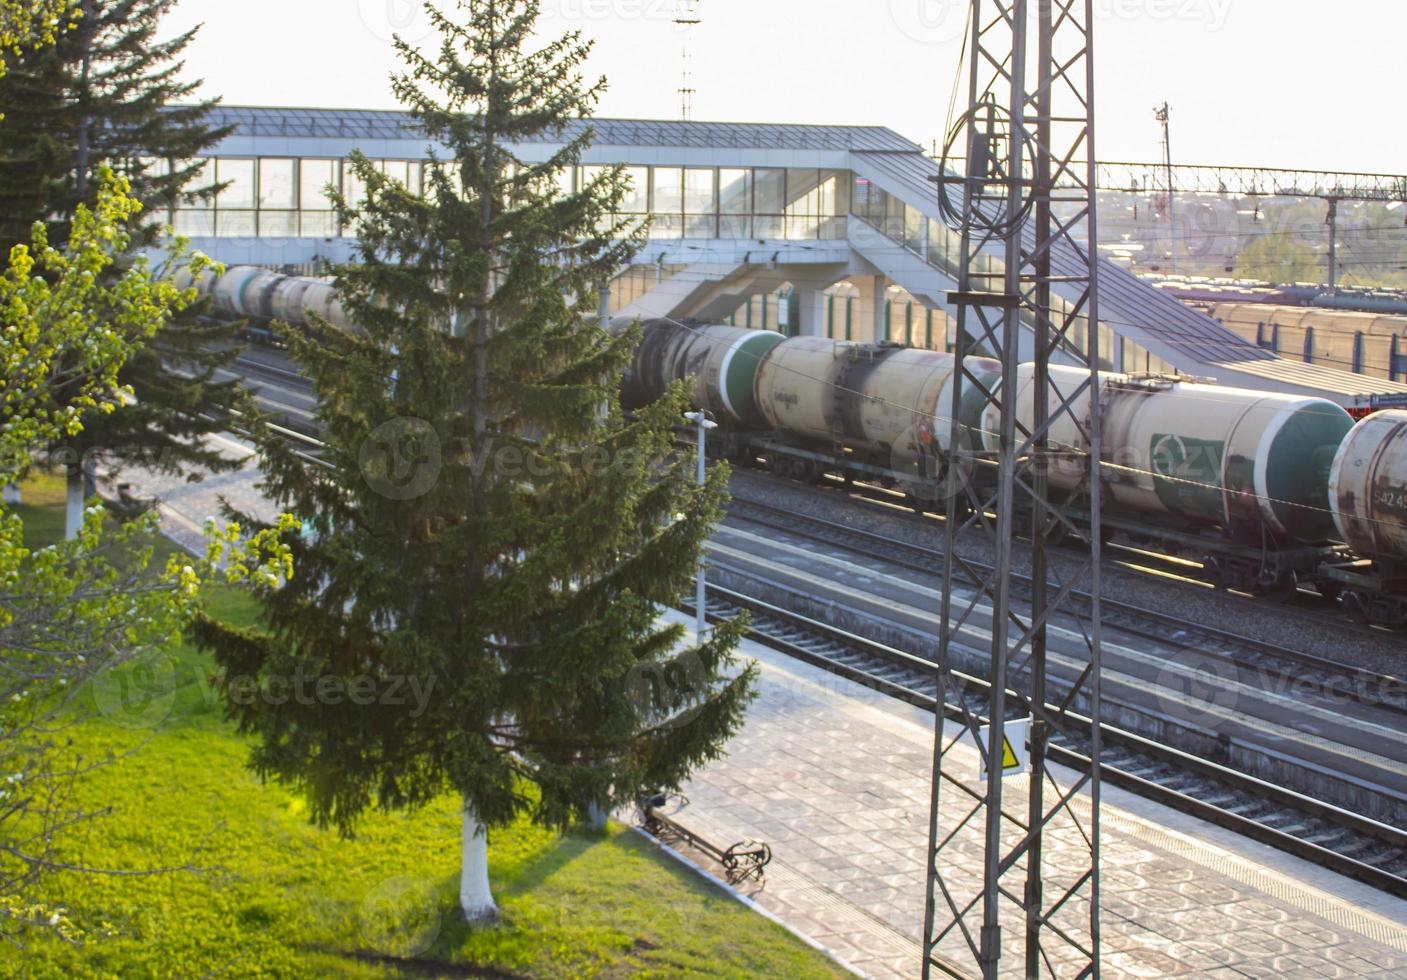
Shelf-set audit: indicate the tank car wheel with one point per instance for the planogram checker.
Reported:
(1356, 605)
(1282, 589)
(1329, 590)
(1397, 619)
(1212, 569)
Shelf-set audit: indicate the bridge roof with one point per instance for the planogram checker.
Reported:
(377, 124)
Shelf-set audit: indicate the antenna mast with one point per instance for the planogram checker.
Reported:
(686, 18)
(1162, 114)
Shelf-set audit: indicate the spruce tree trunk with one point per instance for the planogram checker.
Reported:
(475, 896)
(90, 476)
(74, 511)
(83, 150)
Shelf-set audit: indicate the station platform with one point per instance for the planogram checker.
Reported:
(834, 777)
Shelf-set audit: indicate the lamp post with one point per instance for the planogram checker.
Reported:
(704, 423)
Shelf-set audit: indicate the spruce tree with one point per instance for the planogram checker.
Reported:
(106, 93)
(485, 526)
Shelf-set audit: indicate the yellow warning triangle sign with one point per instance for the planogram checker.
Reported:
(1009, 760)
(1016, 757)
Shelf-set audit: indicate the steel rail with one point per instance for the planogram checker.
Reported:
(1244, 651)
(1235, 795)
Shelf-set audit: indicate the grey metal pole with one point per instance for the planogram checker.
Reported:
(699, 620)
(1333, 224)
(704, 423)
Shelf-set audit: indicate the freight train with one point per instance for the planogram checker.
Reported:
(1269, 492)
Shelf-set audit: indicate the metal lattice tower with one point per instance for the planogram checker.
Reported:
(1026, 293)
(686, 18)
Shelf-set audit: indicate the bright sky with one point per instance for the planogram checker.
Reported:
(1291, 83)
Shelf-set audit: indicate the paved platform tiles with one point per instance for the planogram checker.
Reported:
(835, 778)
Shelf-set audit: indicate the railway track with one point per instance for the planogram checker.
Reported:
(1306, 606)
(1328, 836)
(1181, 571)
(1290, 668)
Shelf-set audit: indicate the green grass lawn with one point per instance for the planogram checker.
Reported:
(276, 897)
(43, 509)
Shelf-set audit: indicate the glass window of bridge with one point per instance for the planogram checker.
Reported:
(942, 246)
(238, 178)
(158, 204)
(769, 203)
(565, 181)
(699, 192)
(235, 223)
(397, 170)
(700, 203)
(194, 223)
(834, 190)
(201, 178)
(278, 224)
(667, 202)
(317, 224)
(314, 179)
(353, 188)
(735, 203)
(913, 229)
(860, 189)
(637, 191)
(803, 203)
(278, 188)
(894, 217)
(594, 173)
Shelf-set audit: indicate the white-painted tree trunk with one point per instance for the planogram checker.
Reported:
(475, 897)
(74, 513)
(596, 817)
(12, 494)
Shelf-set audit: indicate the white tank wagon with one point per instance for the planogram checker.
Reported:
(885, 407)
(1368, 490)
(251, 292)
(722, 361)
(1203, 453)
(1189, 457)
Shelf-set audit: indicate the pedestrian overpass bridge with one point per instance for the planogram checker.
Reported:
(827, 230)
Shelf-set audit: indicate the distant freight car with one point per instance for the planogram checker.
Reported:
(1374, 344)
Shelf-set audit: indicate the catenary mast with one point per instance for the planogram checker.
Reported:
(1026, 293)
